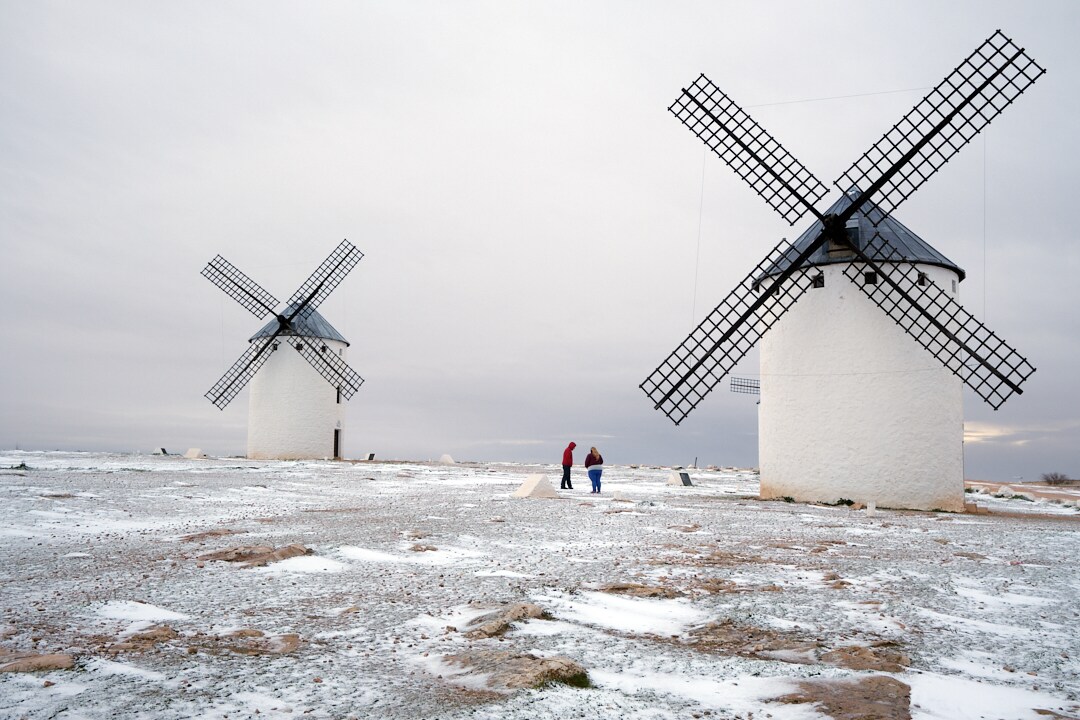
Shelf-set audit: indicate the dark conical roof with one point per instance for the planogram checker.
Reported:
(310, 324)
(909, 245)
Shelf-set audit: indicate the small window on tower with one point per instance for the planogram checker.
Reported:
(299, 347)
(953, 287)
(819, 280)
(870, 277)
(923, 280)
(339, 395)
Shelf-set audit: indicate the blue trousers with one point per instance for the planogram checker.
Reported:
(594, 478)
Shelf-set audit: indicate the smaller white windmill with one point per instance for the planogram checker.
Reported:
(295, 406)
(850, 407)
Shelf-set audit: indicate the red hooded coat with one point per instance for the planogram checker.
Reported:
(568, 454)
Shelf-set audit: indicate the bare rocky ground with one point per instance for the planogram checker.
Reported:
(139, 586)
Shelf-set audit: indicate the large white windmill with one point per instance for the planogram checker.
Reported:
(295, 406)
(851, 408)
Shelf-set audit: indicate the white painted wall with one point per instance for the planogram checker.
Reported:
(292, 410)
(852, 407)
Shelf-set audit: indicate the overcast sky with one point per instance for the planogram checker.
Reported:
(528, 209)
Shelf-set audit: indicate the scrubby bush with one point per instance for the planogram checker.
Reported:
(1056, 478)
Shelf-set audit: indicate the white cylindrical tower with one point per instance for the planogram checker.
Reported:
(293, 412)
(852, 407)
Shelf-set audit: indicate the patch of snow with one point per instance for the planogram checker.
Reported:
(945, 697)
(137, 611)
(738, 695)
(626, 614)
(127, 670)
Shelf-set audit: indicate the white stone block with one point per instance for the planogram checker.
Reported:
(535, 486)
(679, 478)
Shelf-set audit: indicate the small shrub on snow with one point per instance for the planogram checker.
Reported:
(1056, 478)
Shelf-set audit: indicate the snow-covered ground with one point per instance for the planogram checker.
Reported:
(984, 607)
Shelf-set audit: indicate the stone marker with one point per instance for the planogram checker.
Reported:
(535, 486)
(679, 478)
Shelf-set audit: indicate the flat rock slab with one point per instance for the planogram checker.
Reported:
(728, 638)
(882, 658)
(254, 642)
(506, 670)
(638, 590)
(877, 697)
(145, 640)
(33, 662)
(498, 622)
(256, 555)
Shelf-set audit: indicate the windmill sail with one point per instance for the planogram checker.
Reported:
(251, 296)
(746, 386)
(943, 122)
(755, 156)
(237, 377)
(724, 337)
(970, 350)
(326, 277)
(335, 370)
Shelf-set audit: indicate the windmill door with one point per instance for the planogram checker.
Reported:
(337, 444)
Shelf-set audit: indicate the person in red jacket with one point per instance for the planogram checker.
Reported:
(567, 461)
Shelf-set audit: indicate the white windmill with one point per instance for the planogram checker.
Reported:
(295, 406)
(850, 407)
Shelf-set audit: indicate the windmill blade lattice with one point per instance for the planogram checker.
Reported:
(724, 337)
(746, 386)
(236, 377)
(943, 122)
(755, 156)
(325, 278)
(970, 350)
(335, 370)
(240, 287)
